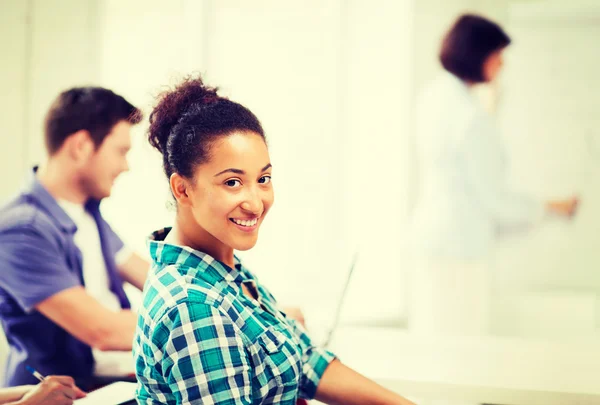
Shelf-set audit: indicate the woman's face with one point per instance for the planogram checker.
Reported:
(493, 65)
(232, 192)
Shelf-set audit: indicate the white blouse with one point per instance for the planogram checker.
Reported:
(463, 194)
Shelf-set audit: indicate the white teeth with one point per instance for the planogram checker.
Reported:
(248, 223)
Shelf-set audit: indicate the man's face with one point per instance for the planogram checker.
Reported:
(107, 162)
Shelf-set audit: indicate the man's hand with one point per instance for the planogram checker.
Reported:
(54, 390)
(295, 313)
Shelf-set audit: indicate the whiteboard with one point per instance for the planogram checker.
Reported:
(550, 117)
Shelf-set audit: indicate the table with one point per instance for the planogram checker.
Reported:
(496, 370)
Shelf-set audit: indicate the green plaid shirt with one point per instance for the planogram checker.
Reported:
(200, 340)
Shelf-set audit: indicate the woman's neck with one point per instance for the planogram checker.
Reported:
(186, 232)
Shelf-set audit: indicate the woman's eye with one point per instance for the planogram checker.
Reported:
(233, 183)
(265, 179)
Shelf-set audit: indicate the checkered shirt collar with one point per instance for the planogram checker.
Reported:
(192, 260)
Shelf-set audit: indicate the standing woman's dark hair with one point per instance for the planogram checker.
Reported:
(189, 118)
(467, 45)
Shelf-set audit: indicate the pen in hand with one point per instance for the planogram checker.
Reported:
(35, 373)
(48, 390)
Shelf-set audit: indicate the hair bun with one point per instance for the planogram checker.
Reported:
(172, 105)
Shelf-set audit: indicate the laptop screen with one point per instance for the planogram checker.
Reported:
(340, 304)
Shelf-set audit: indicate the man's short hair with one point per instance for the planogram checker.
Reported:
(468, 44)
(94, 109)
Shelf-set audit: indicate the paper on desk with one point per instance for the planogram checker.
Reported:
(113, 394)
(113, 363)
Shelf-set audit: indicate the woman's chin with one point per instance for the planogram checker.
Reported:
(243, 245)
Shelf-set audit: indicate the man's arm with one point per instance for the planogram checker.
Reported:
(36, 273)
(89, 321)
(14, 393)
(134, 270)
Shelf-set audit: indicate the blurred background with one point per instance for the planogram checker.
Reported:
(334, 83)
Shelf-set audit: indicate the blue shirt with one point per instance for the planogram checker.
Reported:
(201, 340)
(38, 259)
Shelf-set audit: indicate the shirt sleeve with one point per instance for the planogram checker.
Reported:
(33, 266)
(123, 255)
(487, 174)
(315, 361)
(205, 361)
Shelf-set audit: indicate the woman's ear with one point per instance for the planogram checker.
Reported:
(179, 187)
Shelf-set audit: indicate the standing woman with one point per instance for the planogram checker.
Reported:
(208, 330)
(464, 198)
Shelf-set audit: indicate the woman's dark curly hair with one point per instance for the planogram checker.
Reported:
(189, 118)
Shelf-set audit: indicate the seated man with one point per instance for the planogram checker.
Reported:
(62, 267)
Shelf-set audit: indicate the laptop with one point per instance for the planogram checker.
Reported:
(340, 305)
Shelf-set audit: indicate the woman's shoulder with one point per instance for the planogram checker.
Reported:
(170, 286)
(445, 97)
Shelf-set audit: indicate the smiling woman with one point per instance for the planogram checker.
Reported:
(208, 331)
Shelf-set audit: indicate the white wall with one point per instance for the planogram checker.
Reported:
(378, 167)
(14, 41)
(549, 117)
(62, 54)
(13, 81)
